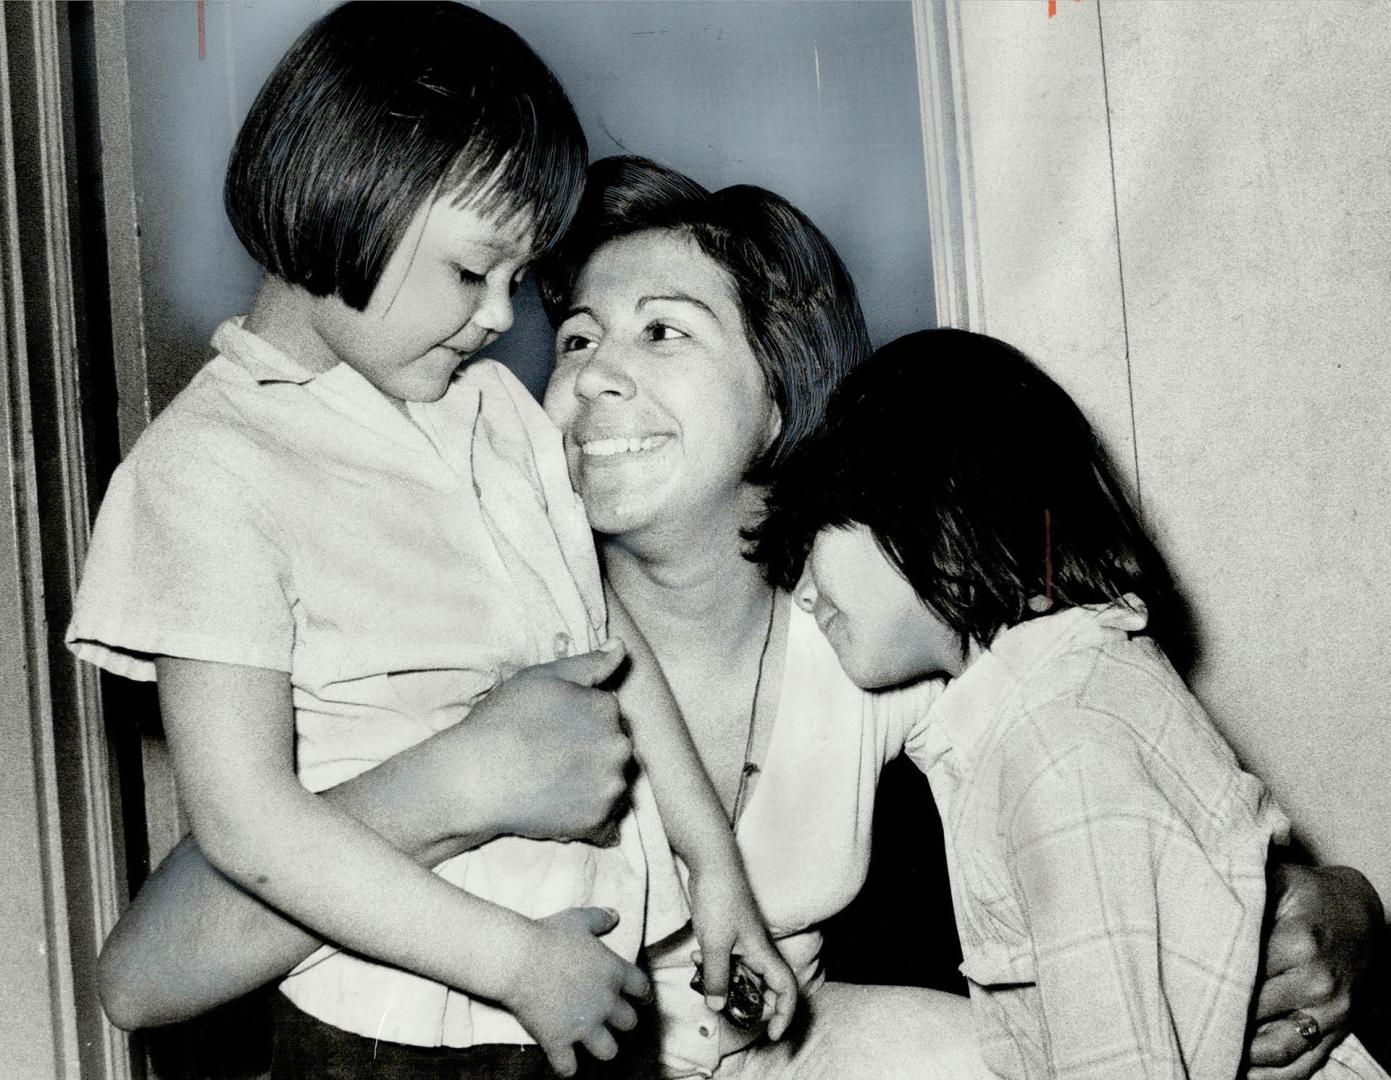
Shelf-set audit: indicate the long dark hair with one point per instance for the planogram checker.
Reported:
(981, 480)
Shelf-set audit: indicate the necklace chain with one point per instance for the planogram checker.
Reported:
(748, 768)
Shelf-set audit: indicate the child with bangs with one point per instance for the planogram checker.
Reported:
(339, 539)
(957, 517)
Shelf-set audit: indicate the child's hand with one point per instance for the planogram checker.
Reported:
(570, 987)
(556, 770)
(726, 921)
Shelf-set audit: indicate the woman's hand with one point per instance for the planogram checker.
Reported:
(1322, 940)
(727, 923)
(571, 988)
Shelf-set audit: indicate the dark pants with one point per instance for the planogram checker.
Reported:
(305, 1048)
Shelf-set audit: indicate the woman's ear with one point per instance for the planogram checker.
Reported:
(773, 427)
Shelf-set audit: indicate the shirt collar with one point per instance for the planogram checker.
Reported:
(258, 357)
(969, 706)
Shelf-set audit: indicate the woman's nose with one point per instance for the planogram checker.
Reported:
(804, 594)
(603, 375)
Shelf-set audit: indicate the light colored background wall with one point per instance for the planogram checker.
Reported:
(1183, 211)
(815, 100)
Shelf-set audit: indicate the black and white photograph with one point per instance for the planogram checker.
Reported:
(742, 539)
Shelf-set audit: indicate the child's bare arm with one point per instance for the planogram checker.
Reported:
(724, 914)
(230, 731)
(530, 760)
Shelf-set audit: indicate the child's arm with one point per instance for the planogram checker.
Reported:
(535, 758)
(724, 914)
(231, 731)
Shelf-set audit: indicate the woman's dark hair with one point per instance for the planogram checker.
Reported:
(981, 480)
(377, 108)
(801, 315)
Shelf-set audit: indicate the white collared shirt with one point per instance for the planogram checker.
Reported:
(397, 569)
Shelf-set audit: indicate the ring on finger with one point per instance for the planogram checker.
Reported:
(1306, 1025)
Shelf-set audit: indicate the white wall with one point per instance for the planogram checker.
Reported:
(1183, 210)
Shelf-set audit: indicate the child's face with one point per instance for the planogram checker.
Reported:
(881, 630)
(444, 294)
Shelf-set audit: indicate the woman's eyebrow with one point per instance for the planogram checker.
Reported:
(570, 313)
(680, 298)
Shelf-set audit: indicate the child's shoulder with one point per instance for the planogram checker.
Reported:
(211, 425)
(1120, 728)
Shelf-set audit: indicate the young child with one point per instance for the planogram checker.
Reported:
(335, 542)
(1108, 855)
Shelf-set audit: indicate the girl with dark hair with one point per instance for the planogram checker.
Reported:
(338, 540)
(1108, 855)
(699, 336)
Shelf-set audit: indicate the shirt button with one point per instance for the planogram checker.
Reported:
(706, 1030)
(562, 644)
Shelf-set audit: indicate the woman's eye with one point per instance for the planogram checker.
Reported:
(468, 277)
(659, 331)
(575, 343)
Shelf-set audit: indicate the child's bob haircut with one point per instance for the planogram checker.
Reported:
(379, 107)
(801, 315)
(981, 480)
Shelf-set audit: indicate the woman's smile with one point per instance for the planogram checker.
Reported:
(618, 447)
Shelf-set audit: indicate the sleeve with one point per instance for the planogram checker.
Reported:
(912, 725)
(1134, 936)
(182, 563)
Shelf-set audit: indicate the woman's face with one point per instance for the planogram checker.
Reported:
(660, 399)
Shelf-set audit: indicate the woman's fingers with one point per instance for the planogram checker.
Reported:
(1300, 987)
(1307, 1060)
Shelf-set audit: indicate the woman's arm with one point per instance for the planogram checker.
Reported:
(724, 914)
(230, 732)
(1326, 924)
(531, 760)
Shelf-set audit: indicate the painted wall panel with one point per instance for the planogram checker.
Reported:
(1034, 103)
(1255, 223)
(1250, 218)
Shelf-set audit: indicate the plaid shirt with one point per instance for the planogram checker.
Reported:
(1107, 855)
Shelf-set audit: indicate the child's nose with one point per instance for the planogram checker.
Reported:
(804, 595)
(495, 313)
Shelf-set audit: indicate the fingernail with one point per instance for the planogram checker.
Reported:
(713, 1003)
(611, 644)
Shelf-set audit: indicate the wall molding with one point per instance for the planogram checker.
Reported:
(947, 164)
(65, 882)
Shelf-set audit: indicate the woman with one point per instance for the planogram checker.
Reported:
(698, 338)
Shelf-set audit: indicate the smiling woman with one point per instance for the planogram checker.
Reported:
(661, 399)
